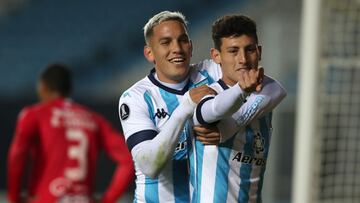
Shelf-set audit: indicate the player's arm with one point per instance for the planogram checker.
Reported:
(25, 132)
(256, 105)
(213, 108)
(230, 100)
(114, 145)
(150, 148)
(260, 103)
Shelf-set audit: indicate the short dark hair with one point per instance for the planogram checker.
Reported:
(232, 26)
(57, 77)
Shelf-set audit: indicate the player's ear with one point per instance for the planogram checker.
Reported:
(259, 50)
(148, 54)
(215, 55)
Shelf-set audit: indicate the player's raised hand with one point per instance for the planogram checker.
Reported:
(198, 93)
(250, 80)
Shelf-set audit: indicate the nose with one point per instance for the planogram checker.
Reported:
(176, 47)
(241, 57)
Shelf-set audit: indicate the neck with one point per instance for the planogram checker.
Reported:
(50, 97)
(176, 86)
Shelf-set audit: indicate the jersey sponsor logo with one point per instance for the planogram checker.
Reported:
(161, 113)
(124, 111)
(62, 188)
(71, 119)
(247, 159)
(180, 146)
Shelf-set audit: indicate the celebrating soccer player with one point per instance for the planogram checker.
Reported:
(154, 110)
(233, 171)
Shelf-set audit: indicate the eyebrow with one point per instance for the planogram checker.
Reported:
(181, 36)
(165, 38)
(232, 47)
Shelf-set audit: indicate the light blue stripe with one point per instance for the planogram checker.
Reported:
(265, 124)
(199, 160)
(265, 129)
(208, 80)
(208, 77)
(191, 85)
(170, 100)
(179, 163)
(222, 170)
(191, 158)
(151, 186)
(151, 190)
(245, 169)
(150, 105)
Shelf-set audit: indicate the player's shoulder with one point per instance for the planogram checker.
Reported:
(206, 69)
(268, 79)
(208, 65)
(31, 110)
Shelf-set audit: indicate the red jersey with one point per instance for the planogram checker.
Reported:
(64, 139)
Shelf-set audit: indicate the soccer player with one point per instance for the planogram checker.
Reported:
(63, 140)
(233, 171)
(154, 110)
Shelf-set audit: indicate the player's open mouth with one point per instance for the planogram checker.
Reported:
(177, 60)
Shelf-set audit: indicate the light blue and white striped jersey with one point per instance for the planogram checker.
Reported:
(234, 170)
(147, 105)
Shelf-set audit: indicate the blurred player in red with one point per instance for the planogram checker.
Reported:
(63, 140)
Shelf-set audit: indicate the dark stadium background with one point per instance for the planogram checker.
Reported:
(103, 40)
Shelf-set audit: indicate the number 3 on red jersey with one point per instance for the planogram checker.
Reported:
(77, 152)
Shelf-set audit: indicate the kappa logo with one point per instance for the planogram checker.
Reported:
(124, 111)
(161, 113)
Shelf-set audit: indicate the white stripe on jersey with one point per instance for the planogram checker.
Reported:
(208, 173)
(233, 180)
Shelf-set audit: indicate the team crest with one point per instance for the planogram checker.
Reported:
(258, 143)
(124, 111)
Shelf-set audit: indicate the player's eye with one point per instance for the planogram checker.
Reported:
(165, 42)
(232, 51)
(184, 40)
(251, 49)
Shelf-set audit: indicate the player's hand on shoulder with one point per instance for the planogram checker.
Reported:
(196, 94)
(207, 135)
(250, 80)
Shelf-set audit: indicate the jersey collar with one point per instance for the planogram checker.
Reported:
(168, 89)
(223, 84)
